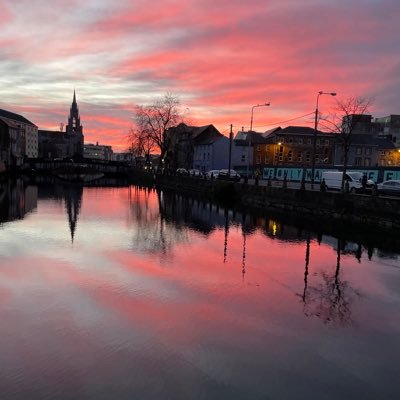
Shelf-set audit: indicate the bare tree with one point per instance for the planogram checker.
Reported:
(153, 121)
(140, 143)
(349, 113)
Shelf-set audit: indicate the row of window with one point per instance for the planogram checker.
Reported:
(367, 150)
(319, 142)
(291, 157)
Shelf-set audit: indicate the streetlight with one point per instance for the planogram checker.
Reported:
(249, 133)
(315, 135)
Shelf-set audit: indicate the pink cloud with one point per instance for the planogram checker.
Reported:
(221, 57)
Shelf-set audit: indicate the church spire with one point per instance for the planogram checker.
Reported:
(74, 129)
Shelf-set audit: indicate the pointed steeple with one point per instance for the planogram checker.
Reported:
(74, 128)
(74, 121)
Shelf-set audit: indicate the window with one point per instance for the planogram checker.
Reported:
(309, 141)
(290, 155)
(368, 151)
(359, 150)
(367, 162)
(258, 147)
(308, 156)
(243, 159)
(258, 159)
(299, 156)
(267, 159)
(357, 161)
(280, 153)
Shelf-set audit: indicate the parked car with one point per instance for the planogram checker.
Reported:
(214, 173)
(389, 187)
(181, 171)
(195, 172)
(333, 180)
(233, 176)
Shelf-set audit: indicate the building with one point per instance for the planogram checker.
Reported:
(12, 145)
(247, 151)
(27, 132)
(97, 152)
(293, 146)
(69, 144)
(366, 150)
(202, 148)
(211, 151)
(388, 127)
(357, 124)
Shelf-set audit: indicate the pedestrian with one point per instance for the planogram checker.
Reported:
(257, 177)
(364, 181)
(323, 185)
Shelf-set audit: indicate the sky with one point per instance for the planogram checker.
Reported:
(219, 57)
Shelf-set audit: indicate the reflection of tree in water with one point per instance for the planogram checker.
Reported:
(73, 201)
(331, 299)
(153, 232)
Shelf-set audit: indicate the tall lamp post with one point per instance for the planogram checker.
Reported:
(251, 128)
(315, 136)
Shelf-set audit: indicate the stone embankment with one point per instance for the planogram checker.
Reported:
(372, 211)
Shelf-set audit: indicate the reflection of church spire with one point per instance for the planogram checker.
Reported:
(73, 202)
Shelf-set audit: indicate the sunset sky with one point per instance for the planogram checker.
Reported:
(220, 57)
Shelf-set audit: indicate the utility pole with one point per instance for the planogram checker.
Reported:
(230, 150)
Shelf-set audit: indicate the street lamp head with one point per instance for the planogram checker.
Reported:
(333, 94)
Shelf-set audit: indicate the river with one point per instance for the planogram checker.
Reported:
(124, 292)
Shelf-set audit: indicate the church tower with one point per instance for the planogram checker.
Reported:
(75, 129)
(74, 120)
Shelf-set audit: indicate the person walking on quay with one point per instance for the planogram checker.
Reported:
(322, 187)
(364, 181)
(257, 177)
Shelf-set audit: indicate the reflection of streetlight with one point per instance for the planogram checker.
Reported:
(315, 136)
(248, 135)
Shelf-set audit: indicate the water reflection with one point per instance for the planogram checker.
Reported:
(16, 200)
(330, 298)
(166, 296)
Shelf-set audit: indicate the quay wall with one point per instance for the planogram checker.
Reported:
(373, 211)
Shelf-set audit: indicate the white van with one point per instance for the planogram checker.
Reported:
(333, 180)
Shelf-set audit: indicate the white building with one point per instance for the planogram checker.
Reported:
(97, 152)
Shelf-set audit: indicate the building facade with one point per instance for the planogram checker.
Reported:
(97, 152)
(202, 147)
(366, 150)
(26, 136)
(293, 146)
(388, 127)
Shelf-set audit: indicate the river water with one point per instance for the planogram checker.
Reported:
(130, 293)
